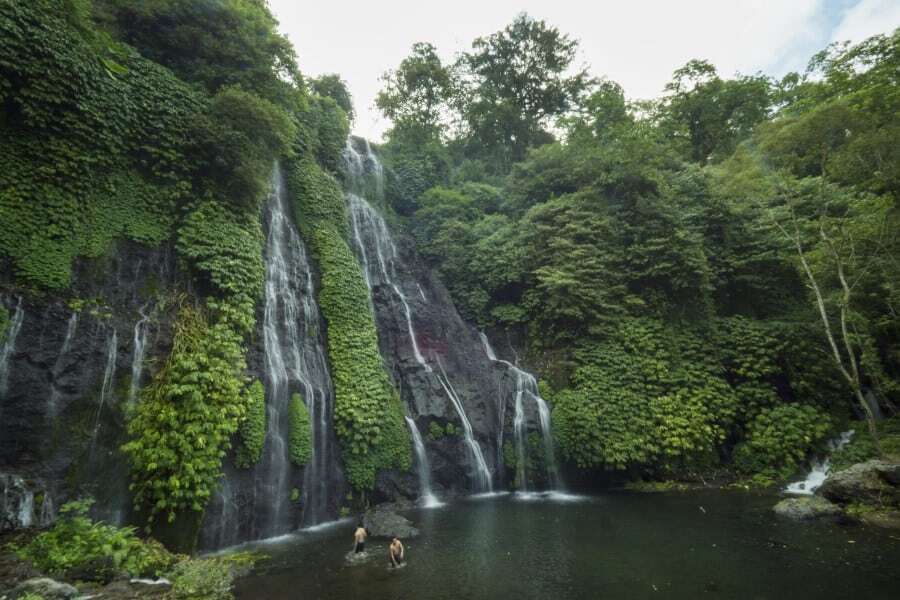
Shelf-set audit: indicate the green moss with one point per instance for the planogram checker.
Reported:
(300, 442)
(435, 431)
(253, 429)
(368, 416)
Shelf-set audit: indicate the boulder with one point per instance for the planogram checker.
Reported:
(46, 588)
(383, 523)
(874, 482)
(807, 508)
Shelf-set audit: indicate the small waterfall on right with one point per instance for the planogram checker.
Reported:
(429, 500)
(820, 468)
(137, 356)
(526, 386)
(9, 346)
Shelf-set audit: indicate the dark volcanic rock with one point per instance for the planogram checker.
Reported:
(384, 523)
(872, 482)
(807, 508)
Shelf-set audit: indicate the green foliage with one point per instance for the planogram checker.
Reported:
(182, 427)
(651, 396)
(253, 428)
(213, 43)
(332, 86)
(87, 155)
(207, 579)
(368, 416)
(76, 541)
(780, 439)
(4, 323)
(300, 442)
(435, 431)
(860, 448)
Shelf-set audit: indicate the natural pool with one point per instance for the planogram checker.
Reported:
(708, 544)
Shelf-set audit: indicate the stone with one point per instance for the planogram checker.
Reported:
(872, 482)
(381, 523)
(807, 508)
(46, 588)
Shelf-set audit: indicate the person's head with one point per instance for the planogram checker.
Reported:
(395, 540)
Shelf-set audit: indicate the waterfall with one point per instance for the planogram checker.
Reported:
(112, 347)
(378, 256)
(482, 474)
(295, 362)
(9, 346)
(429, 500)
(421, 293)
(53, 403)
(526, 384)
(820, 468)
(137, 355)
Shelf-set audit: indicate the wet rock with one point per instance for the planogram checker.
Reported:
(874, 482)
(46, 588)
(136, 589)
(16, 503)
(384, 523)
(808, 508)
(886, 519)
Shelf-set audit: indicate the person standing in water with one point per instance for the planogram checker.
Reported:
(395, 552)
(359, 538)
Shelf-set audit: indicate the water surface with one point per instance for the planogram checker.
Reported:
(619, 545)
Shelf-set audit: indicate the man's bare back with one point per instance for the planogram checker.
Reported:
(359, 537)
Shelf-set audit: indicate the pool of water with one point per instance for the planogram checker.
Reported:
(707, 544)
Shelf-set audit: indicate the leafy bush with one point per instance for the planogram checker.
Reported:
(76, 541)
(253, 428)
(300, 442)
(780, 439)
(861, 448)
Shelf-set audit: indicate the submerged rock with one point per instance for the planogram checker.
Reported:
(875, 482)
(808, 508)
(387, 524)
(46, 588)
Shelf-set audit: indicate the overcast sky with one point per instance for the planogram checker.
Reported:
(637, 43)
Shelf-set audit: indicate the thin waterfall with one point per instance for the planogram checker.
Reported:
(53, 403)
(482, 474)
(112, 349)
(137, 355)
(429, 500)
(9, 346)
(526, 385)
(378, 257)
(295, 362)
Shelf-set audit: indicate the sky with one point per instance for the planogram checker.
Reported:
(637, 43)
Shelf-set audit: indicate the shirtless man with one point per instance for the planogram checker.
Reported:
(395, 552)
(359, 537)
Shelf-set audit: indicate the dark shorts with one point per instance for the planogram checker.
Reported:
(360, 547)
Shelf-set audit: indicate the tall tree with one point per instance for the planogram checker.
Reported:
(516, 82)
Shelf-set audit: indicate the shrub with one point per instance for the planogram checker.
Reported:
(253, 428)
(780, 439)
(75, 541)
(208, 579)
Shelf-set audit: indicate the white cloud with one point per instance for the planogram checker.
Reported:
(637, 43)
(866, 19)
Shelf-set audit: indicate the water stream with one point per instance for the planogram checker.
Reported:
(426, 495)
(106, 390)
(56, 371)
(9, 346)
(820, 468)
(137, 355)
(526, 386)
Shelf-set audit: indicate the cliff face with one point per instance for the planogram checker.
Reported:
(73, 366)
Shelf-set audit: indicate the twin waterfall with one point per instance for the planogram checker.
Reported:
(295, 363)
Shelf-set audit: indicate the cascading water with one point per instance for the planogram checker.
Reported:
(820, 468)
(376, 248)
(53, 402)
(429, 500)
(295, 362)
(9, 346)
(112, 349)
(526, 385)
(482, 475)
(137, 355)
